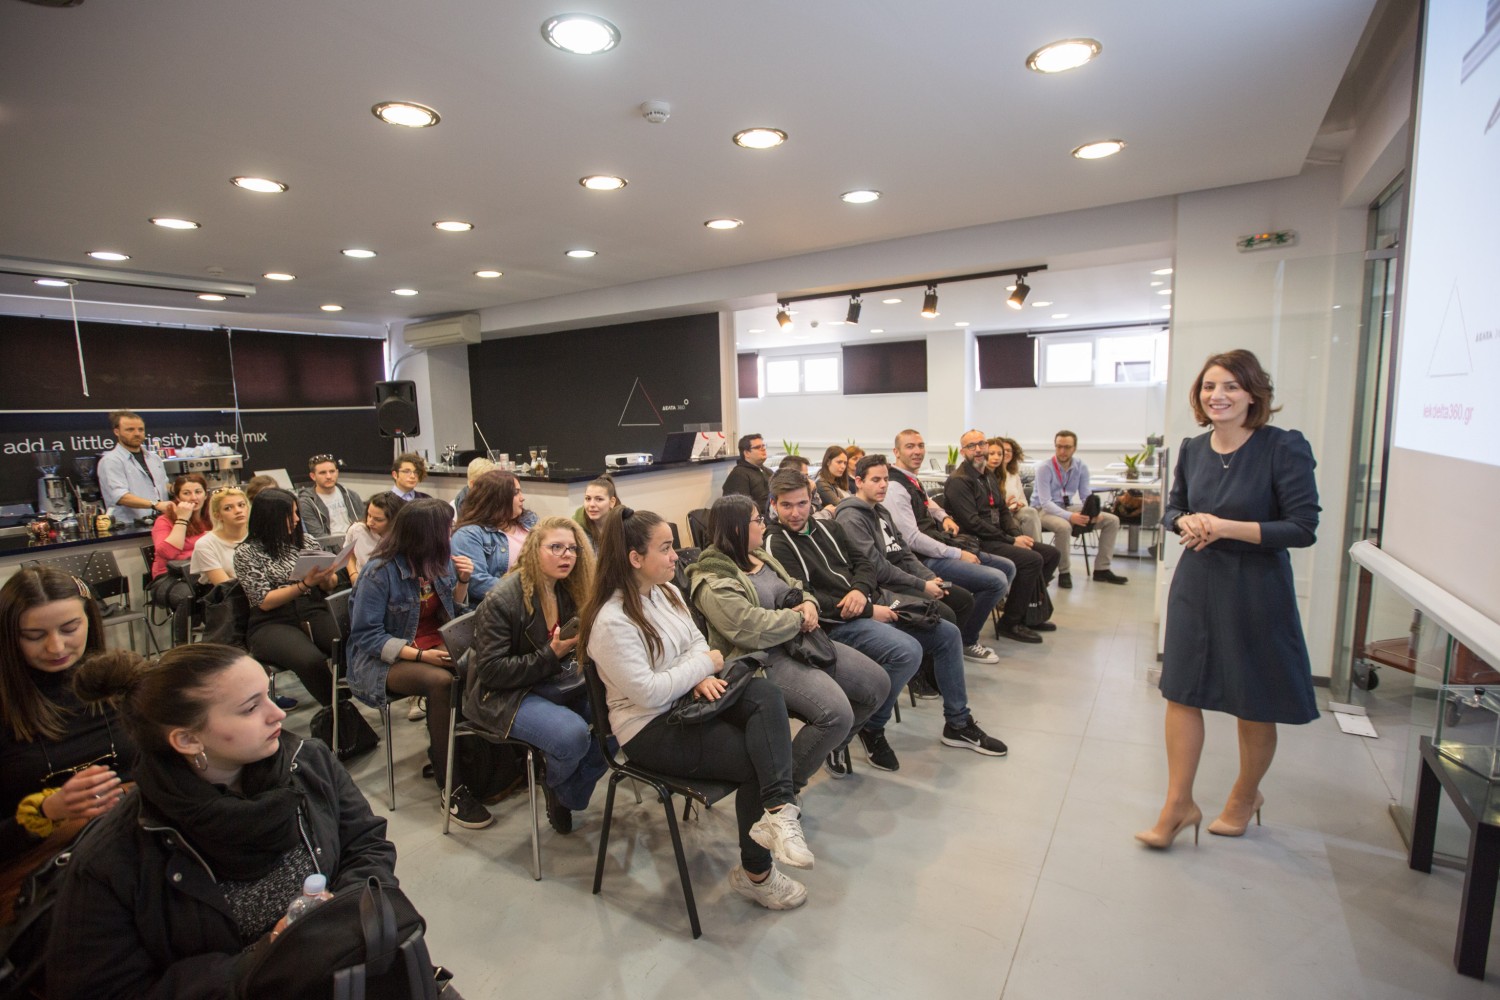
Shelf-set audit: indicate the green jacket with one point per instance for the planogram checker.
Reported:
(737, 624)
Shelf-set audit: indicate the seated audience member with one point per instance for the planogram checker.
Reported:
(518, 644)
(494, 524)
(407, 592)
(853, 453)
(649, 653)
(974, 500)
(60, 764)
(326, 508)
(476, 468)
(213, 556)
(408, 470)
(842, 580)
(1061, 487)
(173, 537)
(832, 483)
(749, 477)
(599, 498)
(179, 887)
(869, 525)
(290, 626)
(258, 483)
(741, 591)
(1006, 457)
(380, 511)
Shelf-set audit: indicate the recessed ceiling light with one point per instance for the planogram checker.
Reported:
(759, 138)
(863, 196)
(1059, 315)
(1010, 288)
(487, 273)
(174, 223)
(961, 323)
(580, 34)
(331, 308)
(403, 291)
(278, 276)
(453, 226)
(890, 302)
(582, 254)
(1099, 150)
(1162, 270)
(834, 322)
(877, 330)
(755, 331)
(407, 113)
(108, 255)
(1157, 284)
(358, 252)
(1038, 305)
(261, 185)
(1168, 307)
(603, 182)
(724, 223)
(53, 282)
(1058, 57)
(211, 297)
(1164, 291)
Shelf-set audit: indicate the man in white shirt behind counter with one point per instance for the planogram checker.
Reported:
(132, 478)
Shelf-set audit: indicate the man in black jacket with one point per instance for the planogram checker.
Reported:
(975, 500)
(857, 612)
(749, 476)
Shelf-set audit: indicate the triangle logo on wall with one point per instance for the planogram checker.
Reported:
(639, 410)
(1450, 351)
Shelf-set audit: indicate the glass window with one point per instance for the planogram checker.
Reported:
(1068, 362)
(1104, 357)
(788, 375)
(783, 375)
(820, 375)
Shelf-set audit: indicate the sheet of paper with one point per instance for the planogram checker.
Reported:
(309, 561)
(1356, 725)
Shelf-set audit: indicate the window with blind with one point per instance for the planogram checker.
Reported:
(888, 366)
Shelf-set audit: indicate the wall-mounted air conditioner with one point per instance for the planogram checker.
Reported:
(461, 329)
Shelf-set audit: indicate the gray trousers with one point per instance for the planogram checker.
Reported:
(830, 705)
(1105, 530)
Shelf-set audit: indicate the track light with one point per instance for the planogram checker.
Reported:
(1018, 297)
(929, 302)
(783, 315)
(852, 316)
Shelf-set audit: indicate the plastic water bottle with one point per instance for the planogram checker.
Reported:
(314, 894)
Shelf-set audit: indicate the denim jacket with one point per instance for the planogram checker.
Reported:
(387, 607)
(489, 547)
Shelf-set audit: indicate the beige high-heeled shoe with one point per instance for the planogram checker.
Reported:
(1151, 839)
(1219, 828)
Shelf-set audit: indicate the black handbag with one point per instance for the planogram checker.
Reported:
(226, 614)
(813, 648)
(1039, 607)
(911, 614)
(561, 688)
(355, 735)
(691, 709)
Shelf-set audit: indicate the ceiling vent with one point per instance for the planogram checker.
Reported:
(461, 329)
(55, 3)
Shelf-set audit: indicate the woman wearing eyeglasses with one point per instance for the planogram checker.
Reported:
(412, 587)
(525, 639)
(60, 764)
(494, 524)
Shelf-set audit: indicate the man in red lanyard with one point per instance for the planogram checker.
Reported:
(1062, 485)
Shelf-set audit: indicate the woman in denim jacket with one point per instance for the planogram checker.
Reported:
(411, 587)
(494, 523)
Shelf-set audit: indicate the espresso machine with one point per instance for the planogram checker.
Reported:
(219, 470)
(52, 492)
(86, 482)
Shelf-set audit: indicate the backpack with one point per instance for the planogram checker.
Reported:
(226, 614)
(366, 943)
(355, 735)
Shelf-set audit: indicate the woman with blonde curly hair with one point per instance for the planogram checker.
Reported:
(525, 682)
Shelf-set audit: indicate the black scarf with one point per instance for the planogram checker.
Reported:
(240, 835)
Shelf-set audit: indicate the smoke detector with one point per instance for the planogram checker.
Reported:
(656, 112)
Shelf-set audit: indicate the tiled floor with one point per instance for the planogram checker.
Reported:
(963, 876)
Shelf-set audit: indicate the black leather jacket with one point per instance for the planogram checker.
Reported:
(140, 914)
(977, 502)
(511, 653)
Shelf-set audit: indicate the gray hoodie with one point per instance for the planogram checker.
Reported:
(870, 528)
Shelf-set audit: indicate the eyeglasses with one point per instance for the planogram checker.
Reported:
(757, 519)
(56, 778)
(559, 548)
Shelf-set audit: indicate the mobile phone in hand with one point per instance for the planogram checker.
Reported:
(569, 629)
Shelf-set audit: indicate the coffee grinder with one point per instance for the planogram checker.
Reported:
(86, 483)
(51, 488)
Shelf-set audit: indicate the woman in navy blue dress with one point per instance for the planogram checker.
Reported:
(1243, 495)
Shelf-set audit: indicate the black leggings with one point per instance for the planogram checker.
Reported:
(281, 645)
(750, 742)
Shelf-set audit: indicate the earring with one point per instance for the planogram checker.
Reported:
(201, 759)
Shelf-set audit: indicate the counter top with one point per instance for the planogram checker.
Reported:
(15, 545)
(561, 474)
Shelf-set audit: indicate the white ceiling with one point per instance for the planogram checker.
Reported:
(112, 112)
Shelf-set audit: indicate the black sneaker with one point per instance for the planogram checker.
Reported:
(921, 687)
(974, 738)
(1065, 581)
(837, 764)
(1105, 576)
(466, 810)
(559, 815)
(882, 757)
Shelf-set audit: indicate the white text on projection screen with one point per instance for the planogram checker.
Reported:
(1448, 389)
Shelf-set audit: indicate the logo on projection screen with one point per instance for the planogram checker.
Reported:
(1450, 350)
(639, 410)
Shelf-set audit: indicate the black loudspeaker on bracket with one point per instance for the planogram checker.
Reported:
(396, 409)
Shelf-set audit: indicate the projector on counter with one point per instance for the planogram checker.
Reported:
(627, 458)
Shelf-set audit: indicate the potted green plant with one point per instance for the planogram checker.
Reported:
(791, 447)
(1134, 462)
(952, 458)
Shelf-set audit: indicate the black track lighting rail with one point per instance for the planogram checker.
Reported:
(1009, 272)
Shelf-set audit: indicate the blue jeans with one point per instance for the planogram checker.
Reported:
(560, 732)
(900, 653)
(988, 585)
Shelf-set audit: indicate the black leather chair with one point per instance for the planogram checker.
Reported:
(698, 526)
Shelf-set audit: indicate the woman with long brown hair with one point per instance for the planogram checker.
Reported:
(833, 477)
(599, 498)
(494, 523)
(173, 537)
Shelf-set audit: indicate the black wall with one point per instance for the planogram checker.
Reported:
(184, 384)
(597, 391)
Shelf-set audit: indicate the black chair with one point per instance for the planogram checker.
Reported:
(99, 570)
(698, 527)
(701, 790)
(339, 607)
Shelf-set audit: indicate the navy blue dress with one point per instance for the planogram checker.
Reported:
(1234, 637)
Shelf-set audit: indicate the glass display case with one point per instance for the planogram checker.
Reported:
(1468, 720)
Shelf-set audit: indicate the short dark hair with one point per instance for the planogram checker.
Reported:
(317, 460)
(416, 460)
(115, 416)
(1065, 434)
(748, 441)
(729, 527)
(793, 462)
(1247, 371)
(864, 465)
(788, 481)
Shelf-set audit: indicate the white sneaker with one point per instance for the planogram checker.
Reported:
(780, 832)
(777, 892)
(980, 653)
(417, 710)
